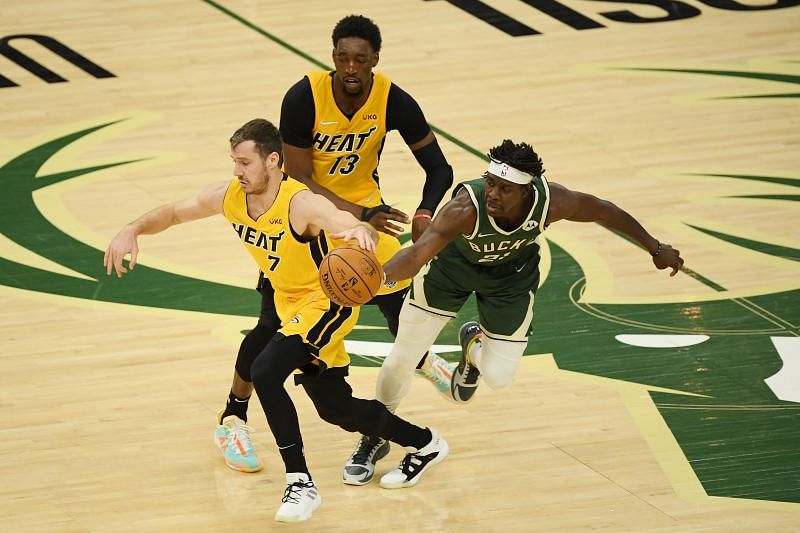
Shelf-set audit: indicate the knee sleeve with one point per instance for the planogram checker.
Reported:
(252, 345)
(417, 331)
(498, 361)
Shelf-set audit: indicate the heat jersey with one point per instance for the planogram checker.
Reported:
(346, 151)
(289, 261)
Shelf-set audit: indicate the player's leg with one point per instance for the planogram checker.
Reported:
(360, 467)
(232, 435)
(333, 398)
(422, 318)
(498, 359)
(417, 332)
(282, 356)
(494, 348)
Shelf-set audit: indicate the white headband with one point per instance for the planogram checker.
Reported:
(507, 172)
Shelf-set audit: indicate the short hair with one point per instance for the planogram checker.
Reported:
(263, 133)
(357, 26)
(518, 155)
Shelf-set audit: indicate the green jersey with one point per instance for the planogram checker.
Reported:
(490, 245)
(500, 267)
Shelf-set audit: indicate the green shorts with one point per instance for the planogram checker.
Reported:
(504, 293)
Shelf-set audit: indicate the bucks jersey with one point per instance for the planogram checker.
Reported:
(289, 261)
(345, 151)
(490, 245)
(501, 267)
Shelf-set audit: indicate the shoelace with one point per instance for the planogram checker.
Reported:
(293, 492)
(471, 374)
(365, 448)
(241, 434)
(410, 463)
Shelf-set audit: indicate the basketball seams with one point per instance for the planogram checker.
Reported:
(356, 273)
(344, 265)
(344, 260)
(343, 299)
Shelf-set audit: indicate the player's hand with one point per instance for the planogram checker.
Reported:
(668, 257)
(120, 246)
(363, 234)
(419, 223)
(383, 218)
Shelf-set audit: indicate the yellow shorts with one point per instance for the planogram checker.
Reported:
(320, 323)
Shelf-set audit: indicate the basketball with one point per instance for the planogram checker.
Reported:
(350, 275)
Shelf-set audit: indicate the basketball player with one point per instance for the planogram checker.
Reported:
(485, 241)
(286, 229)
(334, 125)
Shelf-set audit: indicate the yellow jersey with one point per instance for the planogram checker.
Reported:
(289, 261)
(345, 152)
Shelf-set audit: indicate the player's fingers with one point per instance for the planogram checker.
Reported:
(394, 227)
(389, 231)
(396, 214)
(134, 255)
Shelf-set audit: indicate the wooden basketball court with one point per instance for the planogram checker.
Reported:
(644, 402)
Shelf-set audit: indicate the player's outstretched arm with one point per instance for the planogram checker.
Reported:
(581, 207)
(205, 204)
(456, 217)
(310, 213)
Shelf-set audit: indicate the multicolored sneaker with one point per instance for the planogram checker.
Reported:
(439, 372)
(410, 470)
(359, 469)
(300, 499)
(466, 375)
(233, 438)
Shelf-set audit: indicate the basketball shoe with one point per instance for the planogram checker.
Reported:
(359, 469)
(233, 438)
(439, 372)
(410, 470)
(466, 375)
(300, 499)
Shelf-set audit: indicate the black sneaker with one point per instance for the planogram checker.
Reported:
(466, 375)
(412, 466)
(359, 469)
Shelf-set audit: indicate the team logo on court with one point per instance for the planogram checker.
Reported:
(682, 356)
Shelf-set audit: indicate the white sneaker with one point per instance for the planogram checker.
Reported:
(358, 470)
(416, 462)
(300, 499)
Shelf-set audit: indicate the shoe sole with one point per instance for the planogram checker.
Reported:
(444, 452)
(378, 456)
